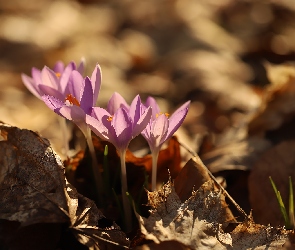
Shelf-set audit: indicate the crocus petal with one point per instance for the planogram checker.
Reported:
(151, 102)
(105, 118)
(76, 114)
(36, 75)
(49, 78)
(99, 113)
(59, 67)
(116, 101)
(96, 83)
(81, 67)
(86, 101)
(46, 90)
(159, 129)
(31, 85)
(177, 118)
(65, 75)
(74, 85)
(122, 124)
(135, 109)
(97, 127)
(142, 122)
(53, 103)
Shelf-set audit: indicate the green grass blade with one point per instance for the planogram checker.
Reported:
(281, 204)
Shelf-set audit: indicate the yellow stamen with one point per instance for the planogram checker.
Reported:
(110, 119)
(72, 100)
(58, 74)
(166, 114)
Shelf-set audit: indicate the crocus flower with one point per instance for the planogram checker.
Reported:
(119, 128)
(67, 93)
(38, 82)
(73, 100)
(160, 129)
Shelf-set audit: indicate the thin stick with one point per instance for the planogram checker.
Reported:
(217, 183)
(126, 205)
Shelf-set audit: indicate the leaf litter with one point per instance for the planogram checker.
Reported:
(201, 222)
(34, 190)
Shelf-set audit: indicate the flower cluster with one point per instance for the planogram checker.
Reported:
(70, 95)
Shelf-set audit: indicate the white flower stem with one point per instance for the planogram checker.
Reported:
(155, 155)
(64, 131)
(95, 168)
(126, 204)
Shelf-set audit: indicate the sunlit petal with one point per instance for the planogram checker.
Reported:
(142, 122)
(151, 102)
(31, 85)
(86, 101)
(74, 85)
(65, 75)
(159, 130)
(135, 109)
(49, 78)
(59, 67)
(96, 82)
(47, 90)
(123, 128)
(116, 101)
(177, 119)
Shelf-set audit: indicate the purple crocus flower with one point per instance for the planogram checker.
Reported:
(160, 129)
(119, 127)
(39, 81)
(73, 100)
(67, 93)
(120, 123)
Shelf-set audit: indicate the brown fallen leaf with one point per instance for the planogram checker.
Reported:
(136, 166)
(234, 150)
(195, 223)
(169, 158)
(277, 162)
(277, 105)
(34, 190)
(191, 177)
(32, 179)
(198, 222)
(173, 244)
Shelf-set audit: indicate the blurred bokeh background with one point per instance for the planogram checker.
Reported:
(210, 52)
(214, 53)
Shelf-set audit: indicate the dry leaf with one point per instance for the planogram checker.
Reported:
(195, 223)
(173, 244)
(32, 179)
(234, 150)
(34, 190)
(169, 158)
(277, 162)
(199, 222)
(278, 105)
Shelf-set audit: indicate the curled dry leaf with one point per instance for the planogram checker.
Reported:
(34, 190)
(200, 221)
(195, 223)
